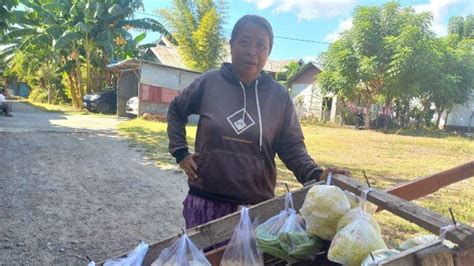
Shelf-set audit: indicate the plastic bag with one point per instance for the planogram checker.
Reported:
(323, 206)
(267, 232)
(416, 241)
(358, 235)
(242, 247)
(182, 253)
(354, 200)
(295, 240)
(378, 256)
(134, 258)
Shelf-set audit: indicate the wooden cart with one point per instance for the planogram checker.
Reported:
(432, 253)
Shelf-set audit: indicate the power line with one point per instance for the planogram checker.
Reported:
(300, 40)
(228, 30)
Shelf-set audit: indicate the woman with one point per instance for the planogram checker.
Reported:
(245, 119)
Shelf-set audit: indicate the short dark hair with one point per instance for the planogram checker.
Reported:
(257, 20)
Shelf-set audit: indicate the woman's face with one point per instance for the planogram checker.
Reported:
(249, 52)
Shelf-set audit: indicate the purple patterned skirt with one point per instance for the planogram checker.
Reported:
(197, 210)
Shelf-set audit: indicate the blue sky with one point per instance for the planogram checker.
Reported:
(317, 20)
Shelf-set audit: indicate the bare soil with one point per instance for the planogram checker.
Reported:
(71, 188)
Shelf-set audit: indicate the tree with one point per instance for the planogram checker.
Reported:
(288, 72)
(381, 55)
(463, 27)
(78, 39)
(6, 16)
(197, 27)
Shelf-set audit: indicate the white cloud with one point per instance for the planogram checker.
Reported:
(306, 9)
(343, 25)
(439, 10)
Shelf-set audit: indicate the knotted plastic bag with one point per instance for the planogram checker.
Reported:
(295, 240)
(267, 232)
(134, 258)
(354, 200)
(358, 235)
(323, 206)
(242, 247)
(182, 253)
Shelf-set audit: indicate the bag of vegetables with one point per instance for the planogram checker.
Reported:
(295, 240)
(242, 247)
(182, 253)
(358, 235)
(323, 206)
(267, 232)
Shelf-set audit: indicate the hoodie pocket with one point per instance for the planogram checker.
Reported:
(232, 175)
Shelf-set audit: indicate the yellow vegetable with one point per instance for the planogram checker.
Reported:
(323, 207)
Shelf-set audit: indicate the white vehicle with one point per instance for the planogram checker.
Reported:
(132, 106)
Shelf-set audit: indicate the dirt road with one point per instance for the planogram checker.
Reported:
(71, 188)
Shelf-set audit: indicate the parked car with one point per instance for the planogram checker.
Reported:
(102, 102)
(132, 106)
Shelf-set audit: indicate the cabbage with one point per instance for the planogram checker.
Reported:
(323, 207)
(356, 238)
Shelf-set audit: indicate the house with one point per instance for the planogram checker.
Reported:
(155, 84)
(308, 99)
(461, 117)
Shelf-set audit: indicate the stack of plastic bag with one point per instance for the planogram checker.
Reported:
(295, 240)
(323, 206)
(358, 234)
(182, 253)
(267, 232)
(378, 256)
(134, 258)
(242, 247)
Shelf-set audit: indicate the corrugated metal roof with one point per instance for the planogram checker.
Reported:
(168, 55)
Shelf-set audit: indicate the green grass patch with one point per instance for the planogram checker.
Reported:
(387, 159)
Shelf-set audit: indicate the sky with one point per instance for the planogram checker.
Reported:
(317, 21)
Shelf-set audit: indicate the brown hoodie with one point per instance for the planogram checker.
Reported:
(240, 130)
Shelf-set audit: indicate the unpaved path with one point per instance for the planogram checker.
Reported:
(71, 188)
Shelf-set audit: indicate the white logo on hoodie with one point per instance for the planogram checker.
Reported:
(240, 121)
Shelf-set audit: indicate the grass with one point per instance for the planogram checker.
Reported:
(387, 159)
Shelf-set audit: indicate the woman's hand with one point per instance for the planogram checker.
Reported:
(188, 164)
(334, 170)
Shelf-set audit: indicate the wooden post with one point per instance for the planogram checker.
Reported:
(426, 185)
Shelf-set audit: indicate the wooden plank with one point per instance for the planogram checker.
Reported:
(463, 235)
(439, 255)
(221, 229)
(427, 185)
(464, 258)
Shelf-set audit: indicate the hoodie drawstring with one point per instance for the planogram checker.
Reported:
(245, 101)
(258, 111)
